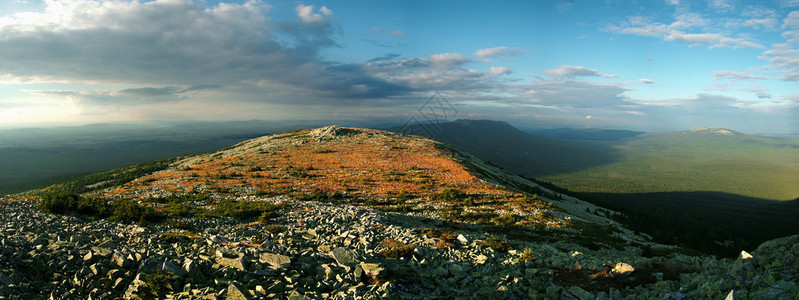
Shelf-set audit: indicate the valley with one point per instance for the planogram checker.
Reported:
(695, 161)
(713, 190)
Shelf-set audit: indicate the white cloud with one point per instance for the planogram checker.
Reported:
(688, 20)
(791, 24)
(789, 3)
(306, 14)
(646, 81)
(757, 17)
(713, 40)
(448, 59)
(760, 92)
(571, 94)
(722, 5)
(736, 76)
(500, 70)
(765, 23)
(676, 32)
(497, 51)
(567, 71)
(785, 58)
(438, 72)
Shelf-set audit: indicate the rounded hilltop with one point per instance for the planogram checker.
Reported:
(719, 131)
(341, 213)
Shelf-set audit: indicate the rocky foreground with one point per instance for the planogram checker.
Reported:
(317, 251)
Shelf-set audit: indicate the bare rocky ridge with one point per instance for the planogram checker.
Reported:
(491, 240)
(719, 131)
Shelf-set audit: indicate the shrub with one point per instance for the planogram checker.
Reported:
(404, 196)
(174, 237)
(73, 203)
(159, 283)
(59, 203)
(448, 236)
(321, 196)
(177, 224)
(274, 228)
(263, 192)
(266, 216)
(527, 255)
(446, 239)
(505, 220)
(468, 201)
(93, 206)
(496, 244)
(179, 209)
(395, 208)
(126, 210)
(299, 172)
(396, 249)
(450, 194)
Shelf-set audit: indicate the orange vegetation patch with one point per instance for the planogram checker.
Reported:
(361, 165)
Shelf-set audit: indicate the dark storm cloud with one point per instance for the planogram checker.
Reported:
(182, 44)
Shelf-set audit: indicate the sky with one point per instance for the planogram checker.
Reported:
(643, 65)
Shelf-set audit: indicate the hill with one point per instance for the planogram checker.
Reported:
(514, 150)
(346, 213)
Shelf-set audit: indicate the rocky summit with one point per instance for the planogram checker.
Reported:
(349, 213)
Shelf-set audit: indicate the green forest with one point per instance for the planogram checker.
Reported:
(751, 166)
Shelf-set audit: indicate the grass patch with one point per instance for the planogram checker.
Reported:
(159, 283)
(396, 249)
(275, 228)
(506, 220)
(177, 236)
(496, 244)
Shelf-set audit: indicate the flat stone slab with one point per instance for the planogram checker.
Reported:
(276, 261)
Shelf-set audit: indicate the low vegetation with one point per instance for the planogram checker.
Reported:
(123, 210)
(159, 283)
(496, 244)
(396, 249)
(130, 211)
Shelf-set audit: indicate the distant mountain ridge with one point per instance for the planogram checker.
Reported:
(515, 150)
(589, 134)
(721, 131)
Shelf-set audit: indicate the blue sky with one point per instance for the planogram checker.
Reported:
(646, 65)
